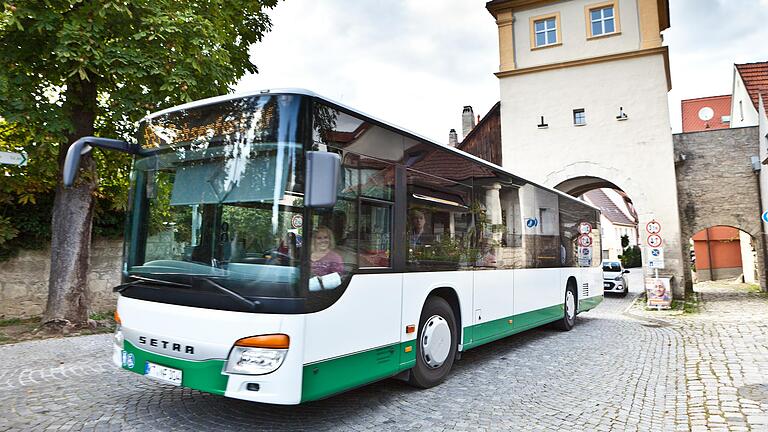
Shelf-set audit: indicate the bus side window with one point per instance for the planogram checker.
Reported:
(439, 222)
(375, 234)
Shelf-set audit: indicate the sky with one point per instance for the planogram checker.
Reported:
(416, 63)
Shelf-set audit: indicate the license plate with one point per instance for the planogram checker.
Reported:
(163, 373)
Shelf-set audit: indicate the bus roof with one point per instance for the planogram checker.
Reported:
(305, 92)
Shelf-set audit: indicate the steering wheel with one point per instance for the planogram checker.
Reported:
(275, 257)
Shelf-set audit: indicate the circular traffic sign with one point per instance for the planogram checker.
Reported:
(585, 241)
(585, 228)
(765, 216)
(654, 240)
(653, 227)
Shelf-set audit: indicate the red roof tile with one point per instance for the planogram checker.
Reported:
(721, 105)
(755, 77)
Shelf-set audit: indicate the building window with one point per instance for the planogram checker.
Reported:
(545, 31)
(579, 117)
(602, 19)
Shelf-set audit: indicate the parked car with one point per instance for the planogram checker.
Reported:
(614, 278)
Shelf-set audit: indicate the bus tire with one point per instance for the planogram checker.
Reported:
(569, 309)
(437, 327)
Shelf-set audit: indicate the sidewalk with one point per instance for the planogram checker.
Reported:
(726, 359)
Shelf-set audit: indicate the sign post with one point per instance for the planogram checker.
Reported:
(10, 158)
(657, 289)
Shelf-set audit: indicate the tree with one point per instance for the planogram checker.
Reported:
(70, 68)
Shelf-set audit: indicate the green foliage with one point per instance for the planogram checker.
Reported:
(141, 56)
(624, 241)
(631, 257)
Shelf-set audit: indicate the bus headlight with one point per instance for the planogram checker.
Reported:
(254, 361)
(617, 278)
(118, 338)
(258, 355)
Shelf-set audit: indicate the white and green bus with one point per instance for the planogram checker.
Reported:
(282, 248)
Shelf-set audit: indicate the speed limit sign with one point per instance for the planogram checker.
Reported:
(654, 240)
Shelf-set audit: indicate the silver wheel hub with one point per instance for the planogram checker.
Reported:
(435, 341)
(570, 304)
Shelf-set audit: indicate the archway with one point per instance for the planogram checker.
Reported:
(580, 178)
(724, 253)
(618, 219)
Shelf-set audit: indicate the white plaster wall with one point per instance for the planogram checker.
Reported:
(763, 150)
(636, 154)
(574, 34)
(748, 259)
(742, 103)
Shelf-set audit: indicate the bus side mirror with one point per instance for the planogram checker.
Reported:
(83, 146)
(322, 180)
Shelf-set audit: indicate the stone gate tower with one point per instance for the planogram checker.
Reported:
(584, 104)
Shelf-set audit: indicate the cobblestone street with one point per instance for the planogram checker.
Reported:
(614, 371)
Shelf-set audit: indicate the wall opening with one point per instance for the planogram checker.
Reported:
(723, 253)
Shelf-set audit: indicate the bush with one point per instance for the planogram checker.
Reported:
(631, 257)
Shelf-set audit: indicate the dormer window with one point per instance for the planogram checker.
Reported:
(602, 19)
(545, 31)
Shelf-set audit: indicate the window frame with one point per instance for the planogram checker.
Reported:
(598, 6)
(558, 31)
(584, 116)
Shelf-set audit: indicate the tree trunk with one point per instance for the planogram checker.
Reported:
(68, 296)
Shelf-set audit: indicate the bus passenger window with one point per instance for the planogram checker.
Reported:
(375, 229)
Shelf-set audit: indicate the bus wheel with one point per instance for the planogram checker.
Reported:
(435, 344)
(569, 310)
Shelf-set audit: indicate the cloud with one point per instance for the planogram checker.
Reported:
(416, 63)
(411, 63)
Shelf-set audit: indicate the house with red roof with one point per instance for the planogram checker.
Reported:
(701, 114)
(750, 91)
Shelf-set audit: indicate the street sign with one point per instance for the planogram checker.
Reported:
(654, 240)
(585, 256)
(656, 258)
(585, 241)
(765, 216)
(10, 158)
(585, 228)
(653, 227)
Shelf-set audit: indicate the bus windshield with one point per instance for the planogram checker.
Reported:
(219, 206)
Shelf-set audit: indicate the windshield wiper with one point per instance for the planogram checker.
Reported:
(142, 280)
(240, 299)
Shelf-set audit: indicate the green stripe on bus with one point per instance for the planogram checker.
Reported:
(205, 375)
(490, 331)
(589, 303)
(329, 377)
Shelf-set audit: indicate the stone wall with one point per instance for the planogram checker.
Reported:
(24, 280)
(716, 186)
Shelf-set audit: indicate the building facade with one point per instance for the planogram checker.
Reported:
(583, 88)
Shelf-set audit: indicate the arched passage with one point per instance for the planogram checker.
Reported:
(724, 253)
(582, 177)
(709, 230)
(618, 221)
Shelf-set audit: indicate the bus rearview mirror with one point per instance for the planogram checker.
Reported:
(322, 180)
(83, 146)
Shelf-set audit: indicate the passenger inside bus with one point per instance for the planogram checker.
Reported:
(419, 236)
